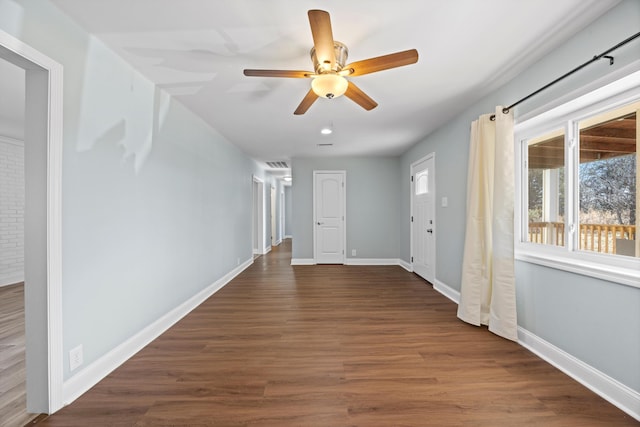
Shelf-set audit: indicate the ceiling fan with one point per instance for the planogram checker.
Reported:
(330, 72)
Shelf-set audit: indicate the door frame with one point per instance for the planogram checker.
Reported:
(344, 210)
(281, 216)
(431, 155)
(274, 235)
(43, 223)
(257, 220)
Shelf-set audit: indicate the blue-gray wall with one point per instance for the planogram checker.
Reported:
(156, 204)
(596, 321)
(373, 205)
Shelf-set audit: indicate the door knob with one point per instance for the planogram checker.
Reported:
(320, 223)
(430, 230)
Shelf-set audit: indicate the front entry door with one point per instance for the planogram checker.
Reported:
(423, 217)
(329, 210)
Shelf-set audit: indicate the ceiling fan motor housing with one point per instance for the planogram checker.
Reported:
(341, 53)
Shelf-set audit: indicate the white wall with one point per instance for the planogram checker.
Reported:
(11, 211)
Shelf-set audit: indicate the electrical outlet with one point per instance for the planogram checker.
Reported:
(353, 252)
(75, 357)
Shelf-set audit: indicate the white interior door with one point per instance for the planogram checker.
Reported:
(423, 226)
(274, 240)
(329, 217)
(258, 216)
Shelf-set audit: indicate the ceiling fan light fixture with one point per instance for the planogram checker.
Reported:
(329, 85)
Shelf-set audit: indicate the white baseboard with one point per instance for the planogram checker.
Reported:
(371, 261)
(406, 265)
(359, 261)
(303, 261)
(447, 291)
(287, 236)
(12, 280)
(277, 242)
(266, 250)
(95, 372)
(606, 387)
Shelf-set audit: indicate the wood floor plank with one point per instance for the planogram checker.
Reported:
(333, 346)
(13, 403)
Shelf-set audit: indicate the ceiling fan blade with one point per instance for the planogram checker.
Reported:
(384, 62)
(322, 37)
(278, 73)
(359, 97)
(308, 100)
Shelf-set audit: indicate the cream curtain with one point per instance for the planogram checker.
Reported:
(487, 295)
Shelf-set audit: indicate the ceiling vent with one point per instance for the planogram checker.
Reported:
(278, 165)
(324, 145)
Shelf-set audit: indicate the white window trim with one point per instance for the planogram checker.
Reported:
(623, 270)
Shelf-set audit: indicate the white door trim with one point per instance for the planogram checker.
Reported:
(44, 89)
(344, 206)
(258, 219)
(411, 198)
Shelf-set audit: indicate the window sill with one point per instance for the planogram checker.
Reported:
(626, 272)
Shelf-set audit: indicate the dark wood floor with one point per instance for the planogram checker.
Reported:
(333, 346)
(13, 404)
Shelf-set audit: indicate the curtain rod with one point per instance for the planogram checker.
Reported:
(604, 54)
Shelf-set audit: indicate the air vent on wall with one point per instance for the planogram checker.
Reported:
(278, 165)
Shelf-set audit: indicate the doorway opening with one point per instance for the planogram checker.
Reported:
(258, 217)
(274, 236)
(42, 223)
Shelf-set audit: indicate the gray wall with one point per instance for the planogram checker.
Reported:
(596, 321)
(156, 204)
(373, 205)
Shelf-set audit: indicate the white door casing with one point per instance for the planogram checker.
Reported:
(258, 216)
(274, 240)
(43, 223)
(423, 225)
(329, 216)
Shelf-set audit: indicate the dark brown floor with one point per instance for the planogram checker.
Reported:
(333, 346)
(13, 404)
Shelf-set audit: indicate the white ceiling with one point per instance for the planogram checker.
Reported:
(197, 50)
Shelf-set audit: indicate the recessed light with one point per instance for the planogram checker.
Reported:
(326, 131)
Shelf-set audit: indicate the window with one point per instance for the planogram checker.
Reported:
(577, 196)
(545, 189)
(607, 182)
(422, 182)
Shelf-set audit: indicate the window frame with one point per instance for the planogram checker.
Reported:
(610, 267)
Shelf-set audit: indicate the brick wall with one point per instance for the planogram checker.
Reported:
(11, 211)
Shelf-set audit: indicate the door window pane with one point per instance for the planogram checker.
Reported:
(422, 182)
(545, 188)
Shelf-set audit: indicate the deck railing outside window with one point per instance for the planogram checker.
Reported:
(593, 237)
